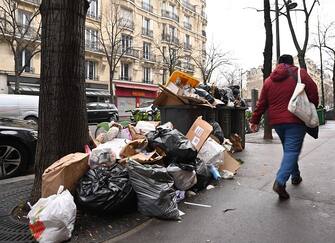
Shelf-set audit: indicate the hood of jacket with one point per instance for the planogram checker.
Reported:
(282, 72)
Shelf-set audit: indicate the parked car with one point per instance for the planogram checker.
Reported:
(23, 107)
(18, 140)
(100, 112)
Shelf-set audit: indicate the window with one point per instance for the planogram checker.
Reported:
(93, 10)
(146, 75)
(91, 38)
(91, 70)
(146, 27)
(164, 76)
(23, 21)
(147, 6)
(187, 42)
(126, 41)
(127, 18)
(24, 61)
(125, 71)
(172, 31)
(146, 50)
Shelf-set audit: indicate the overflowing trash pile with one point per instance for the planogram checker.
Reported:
(147, 165)
(183, 89)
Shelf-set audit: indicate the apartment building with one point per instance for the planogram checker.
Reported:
(150, 30)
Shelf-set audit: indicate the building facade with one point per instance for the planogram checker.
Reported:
(148, 30)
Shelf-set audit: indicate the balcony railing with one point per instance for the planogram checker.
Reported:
(125, 78)
(148, 7)
(204, 33)
(170, 38)
(93, 46)
(169, 15)
(147, 32)
(149, 57)
(93, 15)
(187, 25)
(130, 52)
(147, 81)
(189, 6)
(187, 46)
(126, 23)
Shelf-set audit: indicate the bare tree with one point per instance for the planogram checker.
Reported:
(231, 76)
(21, 31)
(307, 12)
(171, 52)
(62, 120)
(267, 67)
(112, 42)
(328, 39)
(213, 59)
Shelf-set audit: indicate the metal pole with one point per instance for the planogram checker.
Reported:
(277, 31)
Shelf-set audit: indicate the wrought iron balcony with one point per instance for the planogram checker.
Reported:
(169, 15)
(126, 23)
(129, 52)
(149, 57)
(170, 38)
(187, 25)
(93, 15)
(147, 7)
(147, 81)
(125, 78)
(189, 6)
(93, 46)
(147, 32)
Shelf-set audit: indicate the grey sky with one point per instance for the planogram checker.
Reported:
(239, 29)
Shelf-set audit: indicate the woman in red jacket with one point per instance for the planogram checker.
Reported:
(275, 96)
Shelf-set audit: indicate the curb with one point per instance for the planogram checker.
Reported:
(16, 179)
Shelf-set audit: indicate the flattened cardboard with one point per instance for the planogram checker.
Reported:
(165, 98)
(230, 163)
(199, 132)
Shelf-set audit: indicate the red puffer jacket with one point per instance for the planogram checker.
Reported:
(276, 94)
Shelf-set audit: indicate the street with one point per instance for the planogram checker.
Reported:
(247, 210)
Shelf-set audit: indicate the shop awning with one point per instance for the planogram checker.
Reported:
(137, 86)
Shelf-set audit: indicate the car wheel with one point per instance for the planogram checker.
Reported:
(31, 118)
(113, 118)
(150, 118)
(13, 159)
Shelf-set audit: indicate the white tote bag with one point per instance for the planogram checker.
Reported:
(300, 106)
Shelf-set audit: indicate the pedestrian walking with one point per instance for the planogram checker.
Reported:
(275, 96)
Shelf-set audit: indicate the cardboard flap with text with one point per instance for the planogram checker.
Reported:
(199, 132)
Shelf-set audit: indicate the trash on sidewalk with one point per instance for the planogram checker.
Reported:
(214, 171)
(236, 143)
(183, 180)
(204, 176)
(230, 163)
(199, 205)
(226, 174)
(199, 132)
(105, 190)
(154, 189)
(146, 126)
(102, 157)
(210, 187)
(211, 152)
(67, 171)
(52, 218)
(180, 196)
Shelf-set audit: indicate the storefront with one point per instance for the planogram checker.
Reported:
(131, 95)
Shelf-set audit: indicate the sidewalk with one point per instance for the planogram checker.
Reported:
(255, 214)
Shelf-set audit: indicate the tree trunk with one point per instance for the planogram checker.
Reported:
(62, 120)
(111, 88)
(301, 59)
(334, 83)
(267, 67)
(16, 72)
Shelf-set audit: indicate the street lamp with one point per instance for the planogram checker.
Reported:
(291, 5)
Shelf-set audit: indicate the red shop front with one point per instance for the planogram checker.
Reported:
(131, 95)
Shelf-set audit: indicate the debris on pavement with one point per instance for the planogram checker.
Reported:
(199, 205)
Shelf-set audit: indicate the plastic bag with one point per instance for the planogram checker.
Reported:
(112, 133)
(117, 145)
(211, 152)
(203, 93)
(102, 157)
(52, 219)
(145, 127)
(183, 180)
(204, 175)
(179, 150)
(154, 188)
(217, 131)
(105, 190)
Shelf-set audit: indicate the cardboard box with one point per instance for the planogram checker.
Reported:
(167, 98)
(199, 132)
(230, 163)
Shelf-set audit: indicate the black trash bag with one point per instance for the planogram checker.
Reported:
(179, 150)
(236, 91)
(154, 188)
(217, 131)
(204, 176)
(205, 87)
(203, 93)
(106, 190)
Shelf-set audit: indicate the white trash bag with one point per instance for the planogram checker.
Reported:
(52, 219)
